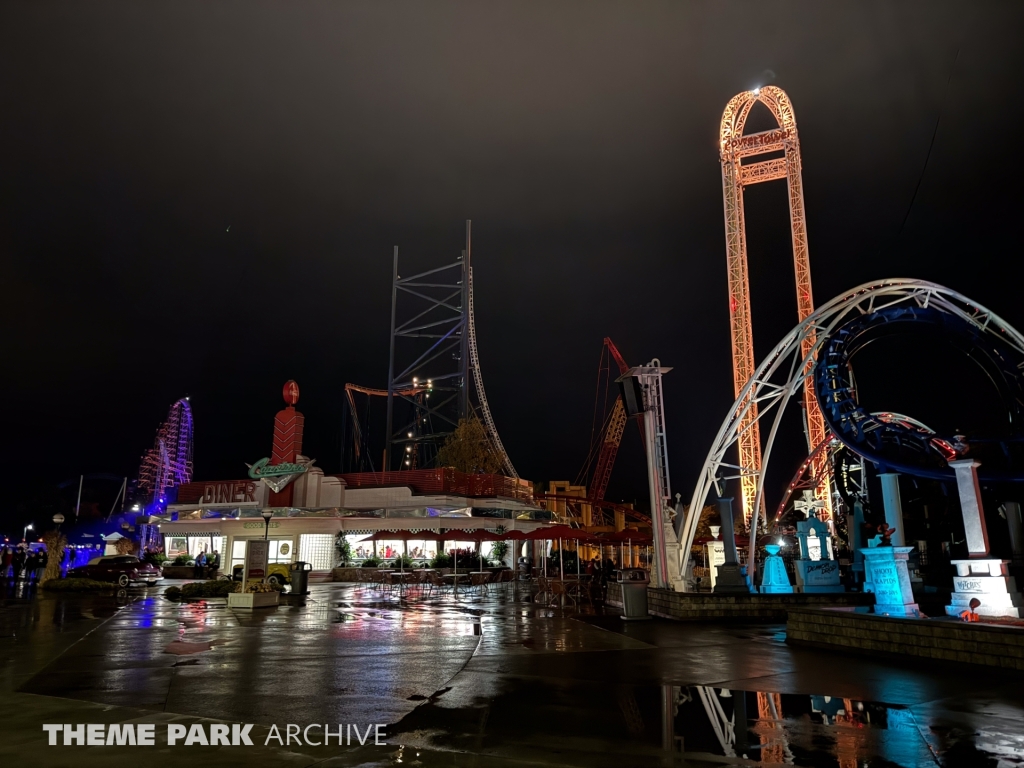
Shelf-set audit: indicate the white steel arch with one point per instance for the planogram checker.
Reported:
(785, 371)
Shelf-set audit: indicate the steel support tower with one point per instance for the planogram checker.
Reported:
(430, 340)
(741, 168)
(434, 360)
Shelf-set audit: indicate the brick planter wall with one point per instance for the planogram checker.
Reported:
(695, 606)
(936, 639)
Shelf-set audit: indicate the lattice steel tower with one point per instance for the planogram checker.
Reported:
(740, 168)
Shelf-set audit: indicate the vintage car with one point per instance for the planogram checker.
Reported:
(277, 573)
(123, 569)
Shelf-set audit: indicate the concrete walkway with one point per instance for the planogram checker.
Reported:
(482, 681)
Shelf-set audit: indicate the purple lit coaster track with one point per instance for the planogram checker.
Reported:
(838, 330)
(169, 462)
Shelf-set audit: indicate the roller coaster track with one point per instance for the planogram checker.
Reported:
(478, 380)
(830, 447)
(838, 329)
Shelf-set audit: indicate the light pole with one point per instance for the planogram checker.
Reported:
(24, 533)
(267, 514)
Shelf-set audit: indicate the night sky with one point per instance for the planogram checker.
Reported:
(202, 198)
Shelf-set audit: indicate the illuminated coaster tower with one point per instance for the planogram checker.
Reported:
(741, 168)
(169, 462)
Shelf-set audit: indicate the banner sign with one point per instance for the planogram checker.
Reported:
(257, 553)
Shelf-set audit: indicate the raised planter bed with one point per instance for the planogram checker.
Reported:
(696, 606)
(250, 600)
(934, 640)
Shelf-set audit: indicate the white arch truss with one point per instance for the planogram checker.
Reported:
(783, 373)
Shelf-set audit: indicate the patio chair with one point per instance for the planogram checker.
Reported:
(438, 584)
(560, 589)
(505, 578)
(479, 581)
(543, 594)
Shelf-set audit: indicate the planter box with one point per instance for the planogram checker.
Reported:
(250, 600)
(179, 572)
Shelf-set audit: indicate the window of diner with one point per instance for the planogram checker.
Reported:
(282, 550)
(422, 550)
(175, 546)
(206, 545)
(237, 553)
(360, 549)
(317, 550)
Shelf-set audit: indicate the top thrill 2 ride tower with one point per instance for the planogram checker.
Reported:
(740, 169)
(433, 335)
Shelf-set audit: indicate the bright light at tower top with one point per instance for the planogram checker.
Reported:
(756, 91)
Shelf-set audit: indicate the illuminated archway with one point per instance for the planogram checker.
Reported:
(739, 170)
(791, 365)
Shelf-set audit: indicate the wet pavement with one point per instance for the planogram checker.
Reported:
(478, 682)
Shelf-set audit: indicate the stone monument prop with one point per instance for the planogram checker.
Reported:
(886, 575)
(716, 553)
(817, 570)
(980, 576)
(732, 577)
(775, 580)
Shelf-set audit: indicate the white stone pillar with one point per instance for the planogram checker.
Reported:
(893, 506)
(970, 506)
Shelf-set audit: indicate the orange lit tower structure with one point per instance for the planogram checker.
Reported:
(741, 168)
(288, 427)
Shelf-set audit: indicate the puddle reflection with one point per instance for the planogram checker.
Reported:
(818, 730)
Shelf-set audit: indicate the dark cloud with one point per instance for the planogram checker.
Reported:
(580, 137)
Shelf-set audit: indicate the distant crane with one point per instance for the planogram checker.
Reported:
(612, 436)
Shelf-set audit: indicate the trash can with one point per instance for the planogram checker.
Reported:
(633, 583)
(300, 577)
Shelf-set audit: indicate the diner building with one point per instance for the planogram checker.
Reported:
(222, 515)
(311, 511)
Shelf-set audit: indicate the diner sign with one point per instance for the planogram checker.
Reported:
(277, 476)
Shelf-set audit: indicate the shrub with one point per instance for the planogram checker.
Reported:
(342, 549)
(499, 551)
(402, 562)
(183, 560)
(78, 585)
(200, 589)
(155, 556)
(371, 562)
(441, 560)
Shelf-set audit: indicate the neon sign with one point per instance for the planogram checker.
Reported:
(263, 469)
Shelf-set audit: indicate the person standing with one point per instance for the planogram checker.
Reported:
(30, 566)
(6, 561)
(200, 564)
(213, 564)
(18, 563)
(42, 559)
